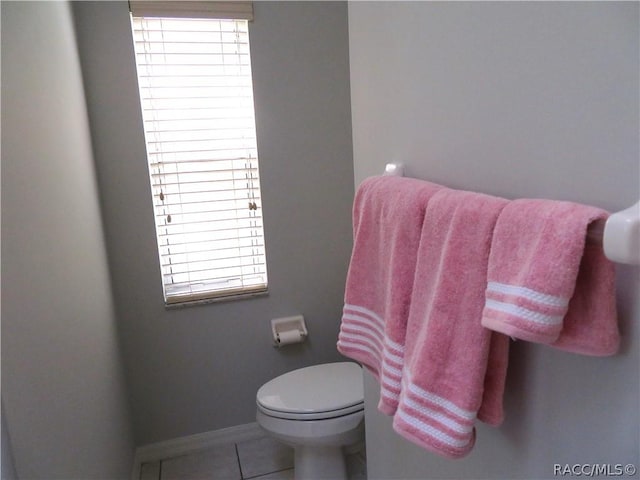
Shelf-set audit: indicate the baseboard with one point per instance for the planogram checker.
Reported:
(193, 443)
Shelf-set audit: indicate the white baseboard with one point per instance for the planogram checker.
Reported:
(193, 443)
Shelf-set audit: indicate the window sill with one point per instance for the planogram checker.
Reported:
(226, 298)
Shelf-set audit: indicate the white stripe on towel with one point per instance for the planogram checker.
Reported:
(529, 294)
(438, 417)
(364, 311)
(390, 357)
(387, 382)
(349, 317)
(442, 402)
(393, 372)
(394, 346)
(351, 332)
(431, 431)
(390, 396)
(355, 328)
(357, 346)
(524, 313)
(346, 338)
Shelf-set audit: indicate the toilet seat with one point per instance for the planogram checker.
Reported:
(314, 393)
(312, 416)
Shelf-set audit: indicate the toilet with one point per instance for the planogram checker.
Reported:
(317, 410)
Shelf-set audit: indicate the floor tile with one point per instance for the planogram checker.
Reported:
(260, 459)
(150, 471)
(220, 463)
(264, 456)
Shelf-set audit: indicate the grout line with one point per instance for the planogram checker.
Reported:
(267, 473)
(235, 445)
(160, 470)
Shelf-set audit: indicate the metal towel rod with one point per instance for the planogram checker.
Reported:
(619, 235)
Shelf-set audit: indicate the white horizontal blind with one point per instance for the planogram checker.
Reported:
(197, 103)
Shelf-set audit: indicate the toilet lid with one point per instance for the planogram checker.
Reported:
(320, 388)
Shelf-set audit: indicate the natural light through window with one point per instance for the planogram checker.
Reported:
(197, 105)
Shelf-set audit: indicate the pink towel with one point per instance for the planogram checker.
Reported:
(544, 285)
(454, 368)
(387, 220)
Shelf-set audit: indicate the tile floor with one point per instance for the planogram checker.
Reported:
(258, 459)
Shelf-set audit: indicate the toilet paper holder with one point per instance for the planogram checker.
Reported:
(288, 330)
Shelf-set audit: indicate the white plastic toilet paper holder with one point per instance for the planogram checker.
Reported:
(288, 330)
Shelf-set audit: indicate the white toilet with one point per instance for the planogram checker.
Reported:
(316, 410)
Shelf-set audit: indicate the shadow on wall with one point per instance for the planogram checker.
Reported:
(7, 467)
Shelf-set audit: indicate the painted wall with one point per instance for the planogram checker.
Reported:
(522, 99)
(7, 469)
(62, 380)
(197, 369)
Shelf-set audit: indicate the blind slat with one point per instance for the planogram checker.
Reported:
(206, 271)
(222, 254)
(212, 244)
(211, 266)
(214, 234)
(193, 201)
(198, 185)
(201, 277)
(219, 254)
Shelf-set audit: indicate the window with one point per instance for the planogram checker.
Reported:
(196, 93)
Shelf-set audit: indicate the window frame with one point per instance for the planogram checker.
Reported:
(222, 11)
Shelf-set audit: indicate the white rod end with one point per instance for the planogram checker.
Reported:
(621, 239)
(394, 169)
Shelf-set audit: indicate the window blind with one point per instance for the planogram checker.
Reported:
(240, 10)
(197, 105)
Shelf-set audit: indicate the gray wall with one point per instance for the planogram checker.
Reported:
(196, 369)
(8, 469)
(523, 99)
(62, 380)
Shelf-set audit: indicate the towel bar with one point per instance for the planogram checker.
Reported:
(619, 235)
